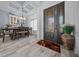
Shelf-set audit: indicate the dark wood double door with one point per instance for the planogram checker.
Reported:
(53, 20)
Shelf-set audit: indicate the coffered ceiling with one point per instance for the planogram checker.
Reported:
(16, 6)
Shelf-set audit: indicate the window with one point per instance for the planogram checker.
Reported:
(33, 24)
(16, 20)
(13, 20)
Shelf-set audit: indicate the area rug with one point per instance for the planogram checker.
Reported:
(50, 44)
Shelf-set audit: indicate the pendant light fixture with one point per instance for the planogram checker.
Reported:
(22, 18)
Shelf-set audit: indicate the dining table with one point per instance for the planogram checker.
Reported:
(14, 31)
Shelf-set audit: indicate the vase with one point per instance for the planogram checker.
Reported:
(68, 41)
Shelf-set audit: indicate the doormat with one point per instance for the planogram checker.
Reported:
(50, 44)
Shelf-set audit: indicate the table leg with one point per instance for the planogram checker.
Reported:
(3, 36)
(28, 33)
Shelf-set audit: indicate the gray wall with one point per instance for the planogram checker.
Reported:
(4, 17)
(4, 5)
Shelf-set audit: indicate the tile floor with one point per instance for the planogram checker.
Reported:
(27, 47)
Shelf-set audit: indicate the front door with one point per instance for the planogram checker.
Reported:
(53, 20)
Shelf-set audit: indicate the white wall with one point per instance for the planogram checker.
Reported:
(72, 17)
(34, 14)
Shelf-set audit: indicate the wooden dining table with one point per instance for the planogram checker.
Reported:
(13, 32)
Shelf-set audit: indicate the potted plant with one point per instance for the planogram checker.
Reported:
(67, 38)
(68, 29)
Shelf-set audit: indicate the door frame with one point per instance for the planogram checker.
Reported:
(57, 17)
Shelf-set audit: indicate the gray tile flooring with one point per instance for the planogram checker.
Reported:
(27, 47)
(67, 53)
(24, 47)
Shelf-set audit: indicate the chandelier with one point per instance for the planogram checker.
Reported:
(22, 17)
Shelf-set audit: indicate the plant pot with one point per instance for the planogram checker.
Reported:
(68, 41)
